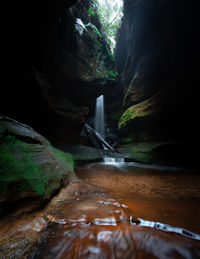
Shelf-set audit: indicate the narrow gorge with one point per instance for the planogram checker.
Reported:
(99, 130)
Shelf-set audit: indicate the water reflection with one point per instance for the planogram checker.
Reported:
(113, 233)
(121, 241)
(120, 225)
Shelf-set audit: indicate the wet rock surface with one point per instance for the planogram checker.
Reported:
(118, 212)
(121, 241)
(81, 152)
(19, 236)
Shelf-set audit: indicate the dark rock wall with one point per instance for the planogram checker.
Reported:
(157, 56)
(46, 82)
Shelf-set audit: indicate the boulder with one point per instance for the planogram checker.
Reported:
(30, 167)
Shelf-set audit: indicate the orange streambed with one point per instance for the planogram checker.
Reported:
(143, 213)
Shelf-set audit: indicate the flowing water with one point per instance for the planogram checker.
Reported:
(99, 116)
(141, 213)
(100, 128)
(112, 160)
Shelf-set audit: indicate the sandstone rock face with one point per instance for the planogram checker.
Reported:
(93, 59)
(29, 166)
(156, 57)
(53, 74)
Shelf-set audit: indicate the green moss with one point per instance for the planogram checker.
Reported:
(110, 54)
(117, 116)
(146, 152)
(141, 157)
(126, 140)
(111, 75)
(144, 147)
(105, 11)
(65, 159)
(17, 165)
(139, 110)
(140, 151)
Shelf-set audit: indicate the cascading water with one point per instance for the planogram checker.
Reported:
(99, 116)
(111, 160)
(100, 128)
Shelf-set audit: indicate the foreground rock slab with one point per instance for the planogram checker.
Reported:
(30, 167)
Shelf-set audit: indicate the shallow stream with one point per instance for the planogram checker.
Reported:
(143, 212)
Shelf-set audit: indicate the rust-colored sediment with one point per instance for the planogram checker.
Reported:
(105, 225)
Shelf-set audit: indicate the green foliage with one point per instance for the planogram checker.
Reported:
(94, 29)
(144, 152)
(16, 165)
(90, 11)
(111, 75)
(126, 140)
(80, 27)
(110, 54)
(110, 14)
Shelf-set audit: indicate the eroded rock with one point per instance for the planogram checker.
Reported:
(30, 167)
(156, 60)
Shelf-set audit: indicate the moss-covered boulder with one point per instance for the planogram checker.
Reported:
(144, 152)
(156, 152)
(29, 165)
(81, 152)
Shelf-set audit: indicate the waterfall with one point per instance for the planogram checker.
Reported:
(99, 116)
(100, 129)
(112, 160)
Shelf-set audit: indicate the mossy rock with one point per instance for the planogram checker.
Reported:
(29, 165)
(140, 110)
(81, 152)
(147, 152)
(140, 136)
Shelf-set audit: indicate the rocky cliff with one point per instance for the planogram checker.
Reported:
(156, 57)
(55, 63)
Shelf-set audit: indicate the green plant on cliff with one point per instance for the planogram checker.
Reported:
(16, 164)
(94, 28)
(111, 75)
(110, 14)
(139, 110)
(110, 54)
(90, 11)
(81, 27)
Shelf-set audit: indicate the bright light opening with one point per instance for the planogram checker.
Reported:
(110, 13)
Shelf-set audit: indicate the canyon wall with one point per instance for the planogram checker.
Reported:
(157, 57)
(52, 71)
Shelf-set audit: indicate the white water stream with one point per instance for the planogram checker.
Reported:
(99, 117)
(100, 127)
